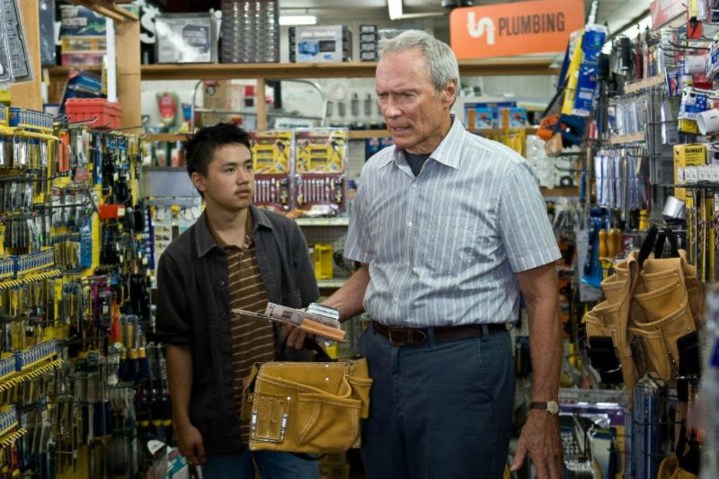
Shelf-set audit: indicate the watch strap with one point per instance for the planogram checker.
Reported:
(545, 406)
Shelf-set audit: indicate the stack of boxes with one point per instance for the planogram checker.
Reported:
(368, 43)
(82, 36)
(292, 38)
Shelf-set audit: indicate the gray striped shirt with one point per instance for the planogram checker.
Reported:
(443, 247)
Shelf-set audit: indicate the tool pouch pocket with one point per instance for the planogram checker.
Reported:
(604, 359)
(608, 351)
(657, 341)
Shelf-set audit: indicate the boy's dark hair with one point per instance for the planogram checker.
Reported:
(201, 147)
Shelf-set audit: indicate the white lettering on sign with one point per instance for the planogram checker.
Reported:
(478, 28)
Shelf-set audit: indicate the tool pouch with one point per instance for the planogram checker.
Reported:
(671, 300)
(307, 407)
(609, 319)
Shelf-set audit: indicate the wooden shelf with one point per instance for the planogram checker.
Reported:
(280, 71)
(353, 134)
(166, 136)
(622, 139)
(368, 134)
(108, 9)
(331, 283)
(61, 72)
(337, 221)
(561, 191)
(532, 130)
(640, 85)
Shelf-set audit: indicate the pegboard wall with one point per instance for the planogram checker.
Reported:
(336, 235)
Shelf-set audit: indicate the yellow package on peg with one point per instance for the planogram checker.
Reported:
(687, 155)
(324, 268)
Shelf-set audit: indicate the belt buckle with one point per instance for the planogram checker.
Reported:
(394, 342)
(408, 334)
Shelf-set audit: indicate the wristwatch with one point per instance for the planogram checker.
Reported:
(552, 407)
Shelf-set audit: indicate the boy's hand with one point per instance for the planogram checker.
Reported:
(293, 336)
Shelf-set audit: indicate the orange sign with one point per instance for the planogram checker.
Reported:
(516, 28)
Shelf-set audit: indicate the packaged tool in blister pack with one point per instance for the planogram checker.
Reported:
(320, 170)
(272, 164)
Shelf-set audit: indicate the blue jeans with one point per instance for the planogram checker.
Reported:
(438, 409)
(271, 465)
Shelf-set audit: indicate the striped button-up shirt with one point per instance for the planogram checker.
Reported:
(443, 247)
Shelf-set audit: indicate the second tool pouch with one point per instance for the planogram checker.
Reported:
(654, 302)
(669, 303)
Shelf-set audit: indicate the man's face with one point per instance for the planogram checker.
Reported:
(416, 114)
(229, 181)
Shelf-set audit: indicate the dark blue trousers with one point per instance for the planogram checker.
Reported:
(438, 410)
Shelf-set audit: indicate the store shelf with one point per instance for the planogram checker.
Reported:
(640, 85)
(353, 134)
(503, 131)
(622, 139)
(562, 191)
(368, 134)
(333, 283)
(108, 9)
(167, 136)
(283, 71)
(337, 221)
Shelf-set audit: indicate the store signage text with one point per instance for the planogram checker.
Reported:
(514, 28)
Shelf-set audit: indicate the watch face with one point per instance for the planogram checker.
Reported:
(553, 407)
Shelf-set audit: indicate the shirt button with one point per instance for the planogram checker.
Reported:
(221, 284)
(409, 223)
(414, 184)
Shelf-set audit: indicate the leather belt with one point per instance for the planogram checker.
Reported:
(400, 336)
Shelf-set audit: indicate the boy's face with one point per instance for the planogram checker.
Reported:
(230, 180)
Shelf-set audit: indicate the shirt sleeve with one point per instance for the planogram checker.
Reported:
(523, 223)
(358, 246)
(172, 324)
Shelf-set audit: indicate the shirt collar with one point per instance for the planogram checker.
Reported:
(447, 152)
(203, 236)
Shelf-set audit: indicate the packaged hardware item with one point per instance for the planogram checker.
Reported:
(331, 43)
(186, 38)
(320, 170)
(272, 164)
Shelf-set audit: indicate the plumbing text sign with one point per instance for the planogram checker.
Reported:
(517, 28)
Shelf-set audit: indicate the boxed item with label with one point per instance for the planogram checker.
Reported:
(331, 43)
(80, 22)
(186, 38)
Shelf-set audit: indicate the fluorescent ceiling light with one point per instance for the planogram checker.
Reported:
(298, 20)
(395, 9)
(396, 12)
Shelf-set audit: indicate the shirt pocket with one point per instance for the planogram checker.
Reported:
(452, 244)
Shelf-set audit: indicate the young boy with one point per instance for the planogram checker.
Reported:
(235, 256)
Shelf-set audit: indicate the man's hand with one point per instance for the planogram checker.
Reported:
(294, 336)
(189, 442)
(541, 440)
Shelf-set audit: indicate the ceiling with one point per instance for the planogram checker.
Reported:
(617, 13)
